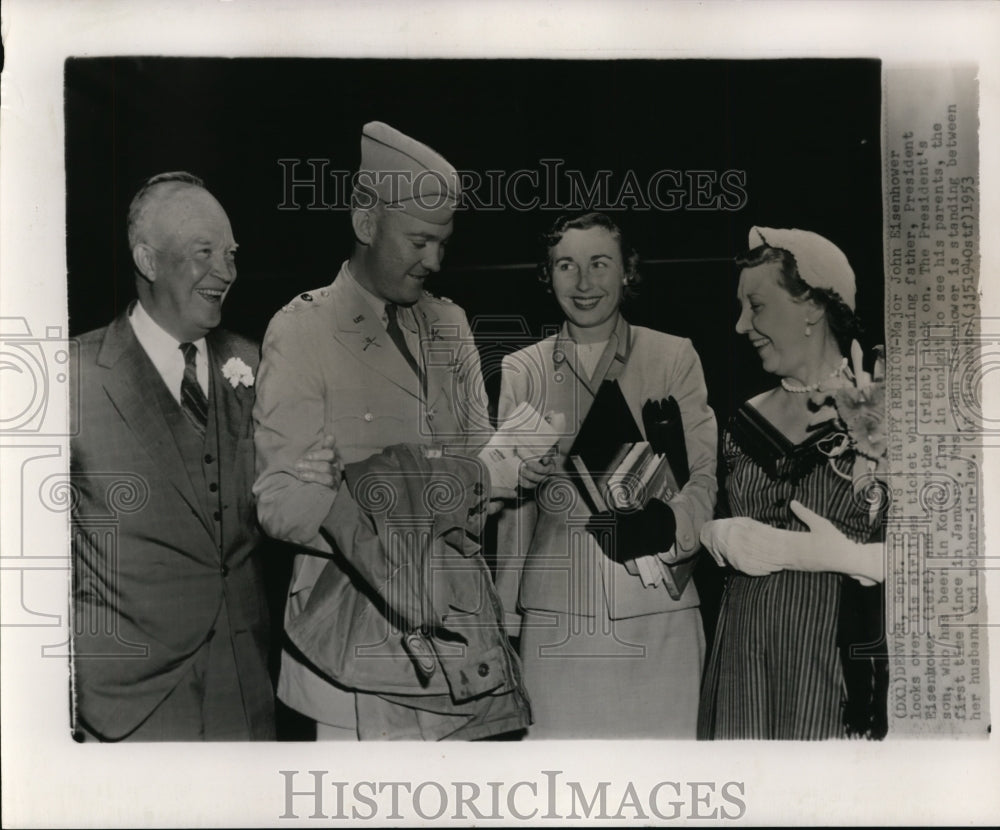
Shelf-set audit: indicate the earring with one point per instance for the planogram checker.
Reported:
(809, 329)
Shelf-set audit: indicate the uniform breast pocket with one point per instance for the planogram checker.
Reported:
(365, 420)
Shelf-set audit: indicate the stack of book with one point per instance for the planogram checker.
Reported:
(634, 475)
(617, 469)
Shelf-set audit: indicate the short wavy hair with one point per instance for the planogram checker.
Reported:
(585, 221)
(843, 322)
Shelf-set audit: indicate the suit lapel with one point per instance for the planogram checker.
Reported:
(131, 383)
(612, 363)
(366, 337)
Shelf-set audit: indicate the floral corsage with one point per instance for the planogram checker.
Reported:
(237, 372)
(857, 408)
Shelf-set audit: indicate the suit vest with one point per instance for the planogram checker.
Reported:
(200, 455)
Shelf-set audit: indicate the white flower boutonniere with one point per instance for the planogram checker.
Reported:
(237, 372)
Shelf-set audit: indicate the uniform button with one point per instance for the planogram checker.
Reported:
(209, 458)
(224, 570)
(483, 670)
(217, 516)
(369, 417)
(213, 487)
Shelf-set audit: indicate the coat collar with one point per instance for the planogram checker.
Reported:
(613, 358)
(366, 337)
(128, 382)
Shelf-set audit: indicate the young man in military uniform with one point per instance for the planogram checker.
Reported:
(373, 360)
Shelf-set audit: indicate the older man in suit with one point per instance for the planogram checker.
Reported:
(375, 361)
(170, 617)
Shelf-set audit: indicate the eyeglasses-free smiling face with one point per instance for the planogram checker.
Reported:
(774, 321)
(588, 281)
(403, 251)
(189, 262)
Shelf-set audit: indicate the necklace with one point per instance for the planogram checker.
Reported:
(795, 388)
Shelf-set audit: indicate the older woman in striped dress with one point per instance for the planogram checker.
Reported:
(796, 652)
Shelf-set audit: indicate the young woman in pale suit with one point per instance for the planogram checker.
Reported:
(604, 656)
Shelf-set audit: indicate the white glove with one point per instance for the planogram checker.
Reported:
(741, 542)
(827, 549)
(758, 549)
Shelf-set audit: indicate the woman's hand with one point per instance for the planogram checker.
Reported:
(321, 466)
(828, 546)
(743, 543)
(637, 533)
(758, 549)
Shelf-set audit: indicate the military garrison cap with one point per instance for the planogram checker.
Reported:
(405, 174)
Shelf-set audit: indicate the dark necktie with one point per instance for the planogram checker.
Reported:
(193, 400)
(396, 333)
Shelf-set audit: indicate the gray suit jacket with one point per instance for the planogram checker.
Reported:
(151, 560)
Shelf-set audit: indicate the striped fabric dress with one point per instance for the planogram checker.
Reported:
(775, 669)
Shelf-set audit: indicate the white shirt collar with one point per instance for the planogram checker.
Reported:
(164, 351)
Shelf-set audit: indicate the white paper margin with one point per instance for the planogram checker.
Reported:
(49, 781)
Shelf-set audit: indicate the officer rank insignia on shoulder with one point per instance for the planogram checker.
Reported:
(429, 296)
(306, 299)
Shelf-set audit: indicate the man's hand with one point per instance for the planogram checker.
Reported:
(321, 466)
(533, 470)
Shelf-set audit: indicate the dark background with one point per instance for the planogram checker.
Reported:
(806, 132)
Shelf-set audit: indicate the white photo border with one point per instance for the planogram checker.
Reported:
(48, 780)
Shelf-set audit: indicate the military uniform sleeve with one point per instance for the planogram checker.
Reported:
(289, 419)
(695, 503)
